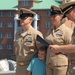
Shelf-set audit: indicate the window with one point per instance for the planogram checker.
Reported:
(1, 13)
(1, 35)
(10, 14)
(1, 46)
(25, 3)
(9, 46)
(1, 24)
(9, 35)
(10, 24)
(19, 28)
(48, 24)
(48, 13)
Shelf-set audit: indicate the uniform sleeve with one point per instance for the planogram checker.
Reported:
(73, 36)
(47, 38)
(49, 31)
(68, 36)
(30, 66)
(38, 44)
(16, 47)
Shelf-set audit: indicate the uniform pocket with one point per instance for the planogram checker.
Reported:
(29, 42)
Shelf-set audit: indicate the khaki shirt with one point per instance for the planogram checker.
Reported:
(61, 36)
(26, 45)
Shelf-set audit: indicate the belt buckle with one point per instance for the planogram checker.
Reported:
(21, 63)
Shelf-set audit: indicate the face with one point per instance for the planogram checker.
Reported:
(42, 55)
(25, 21)
(71, 15)
(56, 19)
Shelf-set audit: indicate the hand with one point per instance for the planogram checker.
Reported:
(54, 49)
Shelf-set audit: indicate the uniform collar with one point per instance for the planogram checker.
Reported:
(60, 27)
(26, 32)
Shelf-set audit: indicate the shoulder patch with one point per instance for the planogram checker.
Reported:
(59, 33)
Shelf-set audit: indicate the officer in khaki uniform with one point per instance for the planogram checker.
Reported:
(57, 64)
(26, 46)
(68, 10)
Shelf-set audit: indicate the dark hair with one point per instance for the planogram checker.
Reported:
(43, 48)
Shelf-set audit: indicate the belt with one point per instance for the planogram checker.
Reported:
(61, 66)
(22, 63)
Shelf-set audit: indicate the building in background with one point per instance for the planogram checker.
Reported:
(9, 21)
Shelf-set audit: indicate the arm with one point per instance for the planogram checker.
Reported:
(37, 43)
(15, 48)
(29, 73)
(30, 67)
(63, 48)
(67, 47)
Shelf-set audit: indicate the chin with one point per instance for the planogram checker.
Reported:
(40, 58)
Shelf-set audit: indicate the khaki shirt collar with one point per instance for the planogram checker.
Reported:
(26, 32)
(59, 28)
